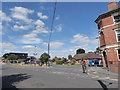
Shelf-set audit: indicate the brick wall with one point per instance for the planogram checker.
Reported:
(112, 54)
(107, 21)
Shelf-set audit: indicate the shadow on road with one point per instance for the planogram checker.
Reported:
(8, 81)
(103, 85)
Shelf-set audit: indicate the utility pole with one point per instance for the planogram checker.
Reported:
(51, 27)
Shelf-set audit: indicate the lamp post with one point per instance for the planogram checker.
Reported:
(35, 51)
(35, 54)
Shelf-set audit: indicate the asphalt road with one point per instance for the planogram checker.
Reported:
(53, 77)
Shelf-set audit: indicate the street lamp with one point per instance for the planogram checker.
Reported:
(35, 51)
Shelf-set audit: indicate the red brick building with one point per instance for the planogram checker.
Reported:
(109, 35)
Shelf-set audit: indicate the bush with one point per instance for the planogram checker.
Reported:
(73, 62)
(59, 62)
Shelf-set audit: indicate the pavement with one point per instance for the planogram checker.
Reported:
(99, 71)
(55, 77)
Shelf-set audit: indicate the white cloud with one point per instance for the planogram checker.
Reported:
(85, 42)
(21, 13)
(14, 51)
(21, 27)
(54, 45)
(30, 38)
(62, 53)
(83, 39)
(80, 39)
(40, 27)
(22, 10)
(9, 46)
(84, 46)
(33, 40)
(4, 17)
(30, 47)
(30, 35)
(42, 16)
(39, 23)
(59, 27)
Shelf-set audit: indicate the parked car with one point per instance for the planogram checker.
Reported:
(91, 62)
(95, 62)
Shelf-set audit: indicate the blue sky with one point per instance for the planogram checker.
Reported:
(27, 24)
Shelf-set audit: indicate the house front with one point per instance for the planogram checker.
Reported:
(109, 36)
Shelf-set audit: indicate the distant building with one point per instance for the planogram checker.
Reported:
(20, 55)
(86, 56)
(109, 35)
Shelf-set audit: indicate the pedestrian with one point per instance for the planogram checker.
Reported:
(84, 66)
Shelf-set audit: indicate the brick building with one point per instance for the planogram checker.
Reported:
(109, 35)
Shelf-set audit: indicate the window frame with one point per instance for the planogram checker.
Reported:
(118, 55)
(114, 19)
(117, 35)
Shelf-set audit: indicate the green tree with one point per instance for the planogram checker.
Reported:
(73, 62)
(44, 58)
(70, 57)
(12, 57)
(97, 50)
(59, 62)
(64, 61)
(80, 51)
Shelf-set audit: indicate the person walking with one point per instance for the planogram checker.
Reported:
(84, 66)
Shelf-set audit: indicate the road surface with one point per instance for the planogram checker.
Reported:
(53, 77)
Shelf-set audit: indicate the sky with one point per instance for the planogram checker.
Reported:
(25, 27)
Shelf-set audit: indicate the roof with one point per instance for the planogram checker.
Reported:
(108, 13)
(90, 55)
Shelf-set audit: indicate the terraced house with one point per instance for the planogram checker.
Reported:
(109, 35)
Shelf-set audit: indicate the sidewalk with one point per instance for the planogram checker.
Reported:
(99, 71)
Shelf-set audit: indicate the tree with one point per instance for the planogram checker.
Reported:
(80, 51)
(70, 57)
(12, 57)
(97, 50)
(44, 58)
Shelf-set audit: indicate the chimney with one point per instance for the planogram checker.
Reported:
(112, 5)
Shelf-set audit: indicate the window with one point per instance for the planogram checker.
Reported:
(119, 54)
(118, 35)
(117, 18)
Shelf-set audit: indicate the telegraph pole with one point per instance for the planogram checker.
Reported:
(52, 27)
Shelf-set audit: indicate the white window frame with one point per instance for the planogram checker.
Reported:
(118, 54)
(117, 34)
(114, 19)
